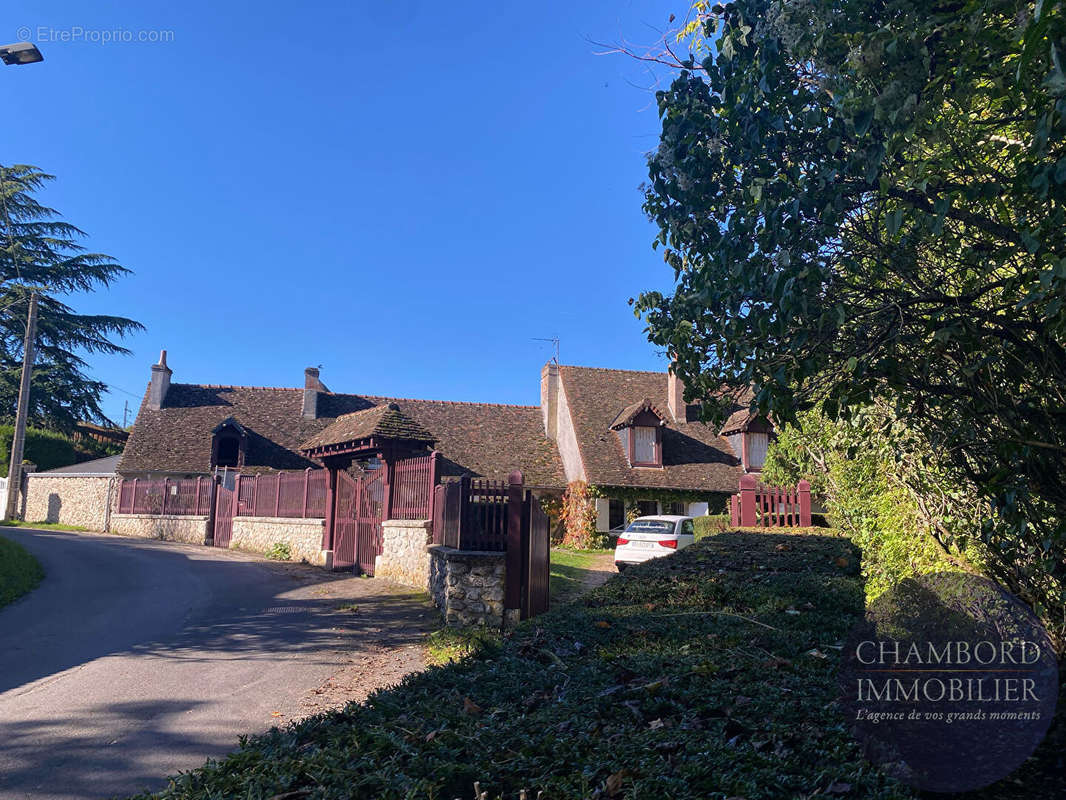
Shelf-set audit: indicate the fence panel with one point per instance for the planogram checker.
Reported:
(770, 506)
(412, 487)
(171, 496)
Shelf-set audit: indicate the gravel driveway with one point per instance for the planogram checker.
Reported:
(135, 659)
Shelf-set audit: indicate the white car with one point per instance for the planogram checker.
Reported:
(651, 537)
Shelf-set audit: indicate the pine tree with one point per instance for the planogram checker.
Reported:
(40, 252)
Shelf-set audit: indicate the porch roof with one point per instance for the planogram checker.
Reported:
(356, 430)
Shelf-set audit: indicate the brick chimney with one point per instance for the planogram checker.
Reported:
(549, 399)
(675, 396)
(312, 386)
(160, 384)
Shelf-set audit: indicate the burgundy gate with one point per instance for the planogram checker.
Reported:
(223, 524)
(357, 522)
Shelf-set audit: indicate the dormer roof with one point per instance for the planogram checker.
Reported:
(628, 415)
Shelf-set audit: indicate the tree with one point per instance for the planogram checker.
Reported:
(865, 200)
(40, 251)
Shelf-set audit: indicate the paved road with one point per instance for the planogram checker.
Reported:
(135, 659)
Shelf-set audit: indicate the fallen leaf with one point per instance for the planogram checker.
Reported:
(783, 547)
(816, 653)
(613, 786)
(470, 707)
(839, 787)
(842, 562)
(791, 611)
(602, 624)
(655, 724)
(650, 606)
(276, 714)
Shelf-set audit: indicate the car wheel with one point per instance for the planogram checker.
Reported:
(620, 566)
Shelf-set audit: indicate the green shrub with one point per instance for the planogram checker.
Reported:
(711, 525)
(46, 449)
(19, 571)
(280, 551)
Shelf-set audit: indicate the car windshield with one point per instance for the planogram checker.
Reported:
(650, 526)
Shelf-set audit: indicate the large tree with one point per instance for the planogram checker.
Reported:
(40, 252)
(864, 199)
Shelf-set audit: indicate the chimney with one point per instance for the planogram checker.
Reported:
(675, 396)
(311, 389)
(157, 389)
(549, 399)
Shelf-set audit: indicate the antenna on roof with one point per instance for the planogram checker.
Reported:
(555, 346)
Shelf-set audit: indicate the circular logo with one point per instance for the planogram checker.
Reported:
(949, 682)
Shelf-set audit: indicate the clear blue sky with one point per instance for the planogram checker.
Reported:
(405, 193)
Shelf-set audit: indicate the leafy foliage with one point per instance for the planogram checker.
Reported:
(579, 517)
(865, 200)
(884, 489)
(47, 449)
(280, 551)
(39, 250)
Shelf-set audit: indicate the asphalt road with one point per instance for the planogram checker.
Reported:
(135, 659)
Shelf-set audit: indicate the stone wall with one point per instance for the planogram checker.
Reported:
(191, 530)
(259, 534)
(403, 556)
(80, 500)
(467, 586)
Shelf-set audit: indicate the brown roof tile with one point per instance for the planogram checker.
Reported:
(483, 439)
(385, 420)
(633, 410)
(695, 457)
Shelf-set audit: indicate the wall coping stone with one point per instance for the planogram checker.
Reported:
(452, 554)
(34, 475)
(284, 520)
(160, 516)
(408, 523)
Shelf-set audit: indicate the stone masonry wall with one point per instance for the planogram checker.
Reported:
(467, 586)
(259, 534)
(403, 556)
(191, 530)
(71, 500)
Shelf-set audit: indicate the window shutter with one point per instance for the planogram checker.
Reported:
(644, 445)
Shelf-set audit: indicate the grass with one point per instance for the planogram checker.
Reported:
(449, 645)
(41, 526)
(571, 571)
(19, 571)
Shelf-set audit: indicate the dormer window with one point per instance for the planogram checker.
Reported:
(228, 444)
(640, 432)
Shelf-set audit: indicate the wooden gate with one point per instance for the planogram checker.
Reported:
(357, 521)
(536, 558)
(223, 521)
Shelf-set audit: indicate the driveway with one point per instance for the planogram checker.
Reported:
(135, 659)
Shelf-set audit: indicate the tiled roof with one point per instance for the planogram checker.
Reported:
(695, 457)
(485, 440)
(385, 420)
(630, 412)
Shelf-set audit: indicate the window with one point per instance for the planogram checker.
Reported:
(675, 508)
(757, 444)
(229, 451)
(616, 515)
(650, 526)
(647, 508)
(644, 446)
(688, 528)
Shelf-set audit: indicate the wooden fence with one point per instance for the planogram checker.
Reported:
(770, 507)
(471, 514)
(412, 487)
(282, 494)
(173, 496)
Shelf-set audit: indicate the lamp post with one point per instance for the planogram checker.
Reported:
(19, 53)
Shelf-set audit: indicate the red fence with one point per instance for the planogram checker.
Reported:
(471, 514)
(181, 497)
(412, 487)
(282, 494)
(769, 506)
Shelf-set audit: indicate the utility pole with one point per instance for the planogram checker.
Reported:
(14, 473)
(125, 413)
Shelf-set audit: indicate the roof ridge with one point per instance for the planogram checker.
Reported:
(446, 402)
(239, 386)
(612, 369)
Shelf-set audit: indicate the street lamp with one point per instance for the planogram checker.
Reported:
(20, 53)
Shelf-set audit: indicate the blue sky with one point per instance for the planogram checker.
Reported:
(405, 193)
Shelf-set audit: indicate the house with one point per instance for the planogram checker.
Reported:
(632, 437)
(184, 430)
(629, 435)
